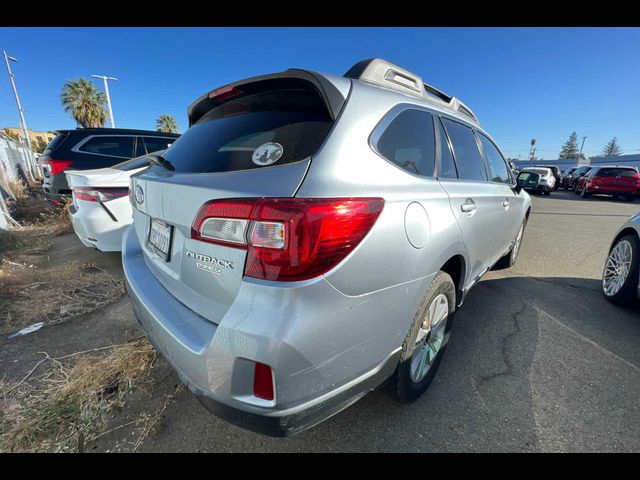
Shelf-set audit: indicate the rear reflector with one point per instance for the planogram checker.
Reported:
(99, 194)
(288, 239)
(263, 382)
(58, 166)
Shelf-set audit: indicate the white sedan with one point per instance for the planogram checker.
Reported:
(101, 211)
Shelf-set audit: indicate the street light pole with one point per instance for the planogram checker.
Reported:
(583, 139)
(23, 122)
(106, 91)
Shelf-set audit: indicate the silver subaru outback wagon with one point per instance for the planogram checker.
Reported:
(310, 237)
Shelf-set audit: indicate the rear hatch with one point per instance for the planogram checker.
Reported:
(617, 179)
(249, 139)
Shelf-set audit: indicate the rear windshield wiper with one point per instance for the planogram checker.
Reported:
(163, 162)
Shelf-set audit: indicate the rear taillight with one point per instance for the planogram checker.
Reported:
(263, 382)
(288, 239)
(99, 194)
(58, 166)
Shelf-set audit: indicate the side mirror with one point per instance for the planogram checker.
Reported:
(517, 187)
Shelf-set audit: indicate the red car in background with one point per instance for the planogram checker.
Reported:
(614, 181)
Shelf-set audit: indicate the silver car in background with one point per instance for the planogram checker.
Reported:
(537, 179)
(310, 237)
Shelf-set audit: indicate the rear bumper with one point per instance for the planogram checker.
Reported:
(315, 377)
(95, 227)
(612, 191)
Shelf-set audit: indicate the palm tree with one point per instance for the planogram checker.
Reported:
(167, 124)
(85, 103)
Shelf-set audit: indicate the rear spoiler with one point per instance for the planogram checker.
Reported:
(333, 99)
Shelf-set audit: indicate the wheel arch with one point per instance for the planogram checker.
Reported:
(622, 233)
(456, 268)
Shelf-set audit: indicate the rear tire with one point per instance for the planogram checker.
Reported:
(620, 277)
(426, 341)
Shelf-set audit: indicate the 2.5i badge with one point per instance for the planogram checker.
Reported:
(267, 154)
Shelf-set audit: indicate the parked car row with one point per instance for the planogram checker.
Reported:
(372, 193)
(623, 182)
(585, 180)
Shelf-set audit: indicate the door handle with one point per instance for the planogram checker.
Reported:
(506, 203)
(468, 206)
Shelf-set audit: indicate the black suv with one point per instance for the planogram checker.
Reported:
(88, 148)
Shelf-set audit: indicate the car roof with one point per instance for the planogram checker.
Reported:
(118, 131)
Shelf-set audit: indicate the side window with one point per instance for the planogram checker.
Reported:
(447, 167)
(157, 143)
(465, 149)
(112, 146)
(497, 166)
(409, 142)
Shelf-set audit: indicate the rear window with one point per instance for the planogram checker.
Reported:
(254, 131)
(528, 178)
(55, 143)
(618, 172)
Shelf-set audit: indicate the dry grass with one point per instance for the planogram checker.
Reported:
(31, 290)
(29, 294)
(64, 407)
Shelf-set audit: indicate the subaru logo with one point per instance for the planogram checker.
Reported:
(139, 194)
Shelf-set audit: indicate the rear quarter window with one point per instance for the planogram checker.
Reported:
(55, 143)
(254, 131)
(409, 142)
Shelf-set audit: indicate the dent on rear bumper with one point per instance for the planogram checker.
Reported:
(326, 349)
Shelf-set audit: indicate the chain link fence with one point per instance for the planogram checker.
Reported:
(17, 163)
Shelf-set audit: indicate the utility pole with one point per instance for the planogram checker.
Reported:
(583, 139)
(106, 91)
(532, 150)
(23, 122)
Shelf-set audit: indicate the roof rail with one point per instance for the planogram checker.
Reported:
(383, 73)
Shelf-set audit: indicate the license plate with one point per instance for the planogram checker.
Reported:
(160, 238)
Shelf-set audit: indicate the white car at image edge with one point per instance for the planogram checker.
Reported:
(100, 211)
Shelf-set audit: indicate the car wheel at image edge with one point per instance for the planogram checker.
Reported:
(426, 341)
(620, 274)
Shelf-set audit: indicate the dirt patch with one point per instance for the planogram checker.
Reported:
(65, 406)
(31, 288)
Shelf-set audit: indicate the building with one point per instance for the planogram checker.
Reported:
(35, 137)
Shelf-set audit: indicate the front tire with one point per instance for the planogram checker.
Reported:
(584, 193)
(620, 274)
(426, 342)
